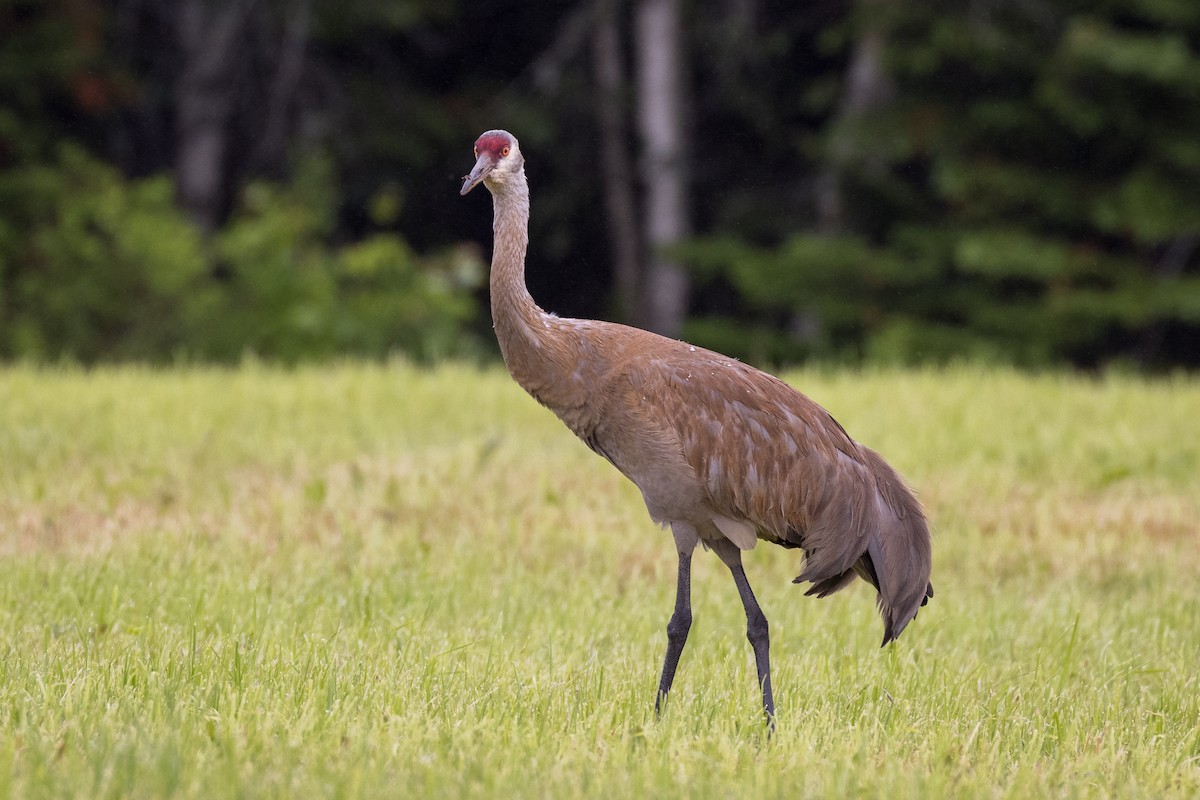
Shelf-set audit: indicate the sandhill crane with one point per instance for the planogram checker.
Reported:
(723, 453)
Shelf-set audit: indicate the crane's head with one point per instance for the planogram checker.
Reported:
(498, 161)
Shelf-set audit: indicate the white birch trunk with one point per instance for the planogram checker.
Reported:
(660, 96)
(617, 171)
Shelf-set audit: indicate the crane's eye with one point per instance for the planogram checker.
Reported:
(477, 152)
(504, 152)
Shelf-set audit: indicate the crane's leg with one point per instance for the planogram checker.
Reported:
(756, 623)
(681, 621)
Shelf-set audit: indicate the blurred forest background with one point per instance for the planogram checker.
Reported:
(1015, 181)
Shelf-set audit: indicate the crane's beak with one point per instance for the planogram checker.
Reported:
(483, 167)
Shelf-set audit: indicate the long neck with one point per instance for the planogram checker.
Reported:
(517, 319)
(549, 357)
(532, 342)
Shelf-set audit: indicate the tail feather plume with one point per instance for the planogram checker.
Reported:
(828, 586)
(897, 556)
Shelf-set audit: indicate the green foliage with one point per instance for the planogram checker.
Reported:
(1025, 191)
(95, 267)
(1029, 196)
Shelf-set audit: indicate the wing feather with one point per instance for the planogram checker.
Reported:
(757, 456)
(767, 454)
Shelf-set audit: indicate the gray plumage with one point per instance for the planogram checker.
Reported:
(723, 453)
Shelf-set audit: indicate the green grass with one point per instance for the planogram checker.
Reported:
(378, 581)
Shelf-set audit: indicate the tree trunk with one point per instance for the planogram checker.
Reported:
(660, 120)
(866, 89)
(208, 36)
(270, 155)
(617, 172)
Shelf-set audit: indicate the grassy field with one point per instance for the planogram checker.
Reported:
(377, 581)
